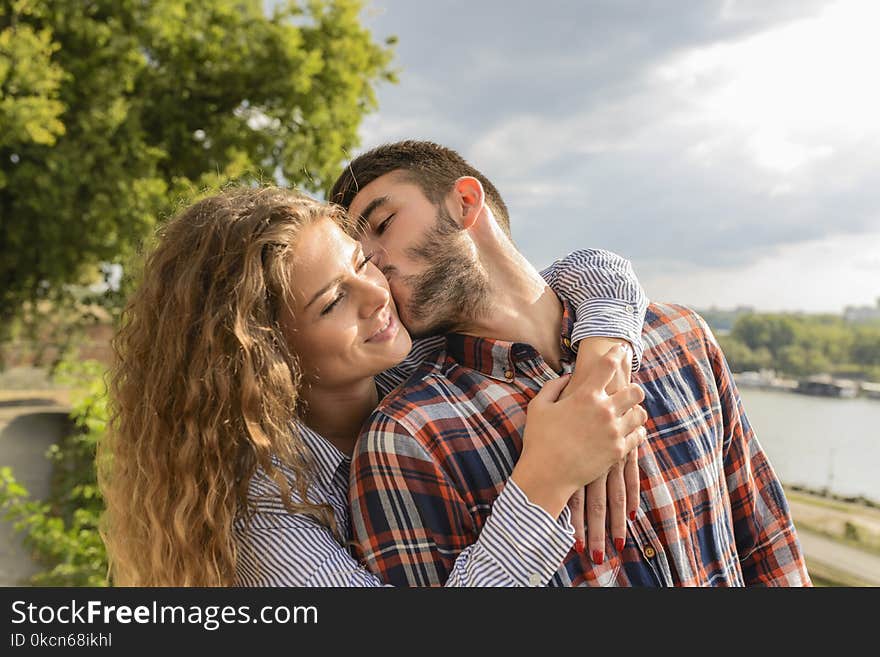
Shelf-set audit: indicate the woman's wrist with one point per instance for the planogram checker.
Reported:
(549, 495)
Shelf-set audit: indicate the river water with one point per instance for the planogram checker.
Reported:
(819, 442)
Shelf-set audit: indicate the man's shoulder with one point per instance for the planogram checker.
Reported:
(415, 402)
(674, 329)
(668, 319)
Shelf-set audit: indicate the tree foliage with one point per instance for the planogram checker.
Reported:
(800, 345)
(112, 112)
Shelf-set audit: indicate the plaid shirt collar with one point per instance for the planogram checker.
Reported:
(497, 358)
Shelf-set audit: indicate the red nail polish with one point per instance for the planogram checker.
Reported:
(632, 515)
(598, 556)
(579, 546)
(619, 543)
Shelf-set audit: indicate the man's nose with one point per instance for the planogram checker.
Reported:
(380, 255)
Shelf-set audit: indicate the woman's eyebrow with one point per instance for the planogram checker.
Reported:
(336, 281)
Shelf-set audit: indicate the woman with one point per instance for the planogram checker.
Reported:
(211, 464)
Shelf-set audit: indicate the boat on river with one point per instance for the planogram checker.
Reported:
(825, 386)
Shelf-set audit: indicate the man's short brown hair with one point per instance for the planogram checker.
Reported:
(432, 167)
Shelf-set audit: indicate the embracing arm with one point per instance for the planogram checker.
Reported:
(413, 528)
(610, 307)
(520, 545)
(608, 299)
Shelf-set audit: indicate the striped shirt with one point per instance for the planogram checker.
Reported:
(436, 454)
(520, 543)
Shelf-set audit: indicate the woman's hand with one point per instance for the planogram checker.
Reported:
(575, 438)
(617, 491)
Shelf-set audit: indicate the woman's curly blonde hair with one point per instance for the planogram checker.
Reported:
(204, 389)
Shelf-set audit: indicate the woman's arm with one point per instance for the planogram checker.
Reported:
(610, 307)
(609, 300)
(520, 545)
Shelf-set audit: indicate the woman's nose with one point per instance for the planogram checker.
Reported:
(375, 297)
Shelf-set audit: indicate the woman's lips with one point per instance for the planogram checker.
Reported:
(387, 331)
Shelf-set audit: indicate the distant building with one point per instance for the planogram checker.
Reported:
(860, 314)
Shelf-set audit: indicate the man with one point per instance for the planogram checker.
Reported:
(437, 451)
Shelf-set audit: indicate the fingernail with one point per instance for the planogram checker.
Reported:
(619, 543)
(579, 546)
(632, 515)
(598, 556)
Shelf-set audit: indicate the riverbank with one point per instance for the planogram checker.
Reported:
(819, 385)
(840, 537)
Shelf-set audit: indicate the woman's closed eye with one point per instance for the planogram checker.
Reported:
(341, 294)
(330, 306)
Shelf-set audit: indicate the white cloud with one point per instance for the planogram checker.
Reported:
(716, 135)
(816, 276)
(792, 93)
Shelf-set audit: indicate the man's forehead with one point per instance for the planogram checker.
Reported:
(384, 185)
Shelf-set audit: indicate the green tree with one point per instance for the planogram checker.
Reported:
(741, 358)
(112, 112)
(773, 332)
(866, 347)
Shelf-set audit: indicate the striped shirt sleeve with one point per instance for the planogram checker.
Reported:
(520, 545)
(602, 286)
(766, 539)
(606, 294)
(412, 528)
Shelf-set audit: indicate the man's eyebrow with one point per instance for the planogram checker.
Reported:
(364, 219)
(334, 282)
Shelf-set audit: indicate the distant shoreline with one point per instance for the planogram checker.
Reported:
(860, 500)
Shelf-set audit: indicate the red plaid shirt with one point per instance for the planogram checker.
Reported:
(437, 451)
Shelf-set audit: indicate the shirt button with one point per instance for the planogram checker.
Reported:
(508, 374)
(650, 552)
(534, 579)
(630, 309)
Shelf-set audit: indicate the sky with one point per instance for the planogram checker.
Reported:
(728, 149)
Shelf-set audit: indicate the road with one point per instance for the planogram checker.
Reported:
(861, 565)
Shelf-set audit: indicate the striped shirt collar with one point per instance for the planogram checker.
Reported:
(332, 465)
(497, 358)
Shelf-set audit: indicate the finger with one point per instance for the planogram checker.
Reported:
(551, 390)
(576, 506)
(616, 492)
(634, 418)
(627, 397)
(634, 439)
(596, 496)
(631, 477)
(601, 375)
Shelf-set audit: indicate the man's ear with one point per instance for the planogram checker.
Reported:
(469, 200)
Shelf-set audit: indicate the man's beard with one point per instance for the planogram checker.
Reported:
(453, 290)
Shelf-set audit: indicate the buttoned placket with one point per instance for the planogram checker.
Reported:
(650, 548)
(646, 539)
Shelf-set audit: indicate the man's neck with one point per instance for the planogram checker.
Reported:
(338, 414)
(521, 307)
